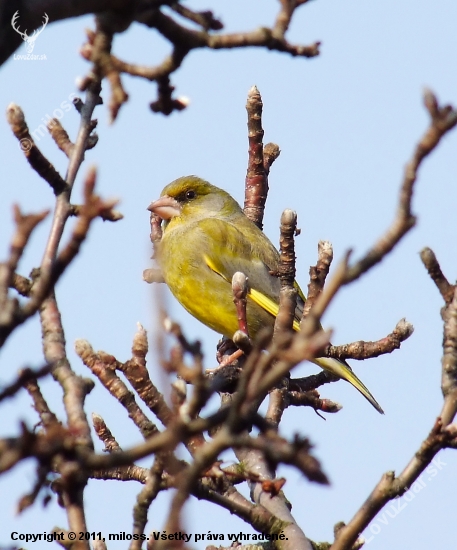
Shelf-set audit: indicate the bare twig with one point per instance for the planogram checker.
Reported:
(103, 366)
(35, 157)
(449, 362)
(312, 399)
(98, 51)
(285, 15)
(144, 500)
(311, 382)
(256, 187)
(190, 39)
(168, 65)
(27, 500)
(23, 285)
(278, 450)
(62, 210)
(165, 102)
(121, 473)
(153, 275)
(104, 434)
(60, 137)
(146, 390)
(318, 274)
(107, 214)
(286, 273)
(156, 232)
(48, 419)
(10, 309)
(271, 152)
(277, 402)
(240, 290)
(443, 119)
(205, 19)
(366, 350)
(25, 375)
(434, 270)
(311, 323)
(51, 272)
(193, 348)
(300, 348)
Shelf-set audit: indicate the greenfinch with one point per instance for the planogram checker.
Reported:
(206, 239)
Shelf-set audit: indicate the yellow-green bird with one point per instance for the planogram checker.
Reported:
(206, 239)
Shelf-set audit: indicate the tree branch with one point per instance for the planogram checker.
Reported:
(443, 119)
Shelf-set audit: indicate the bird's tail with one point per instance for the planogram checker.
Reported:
(339, 368)
(344, 371)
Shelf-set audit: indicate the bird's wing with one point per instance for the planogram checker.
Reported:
(243, 247)
(238, 249)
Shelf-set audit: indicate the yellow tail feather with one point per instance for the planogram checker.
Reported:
(343, 371)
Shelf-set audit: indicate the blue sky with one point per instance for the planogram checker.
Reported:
(346, 122)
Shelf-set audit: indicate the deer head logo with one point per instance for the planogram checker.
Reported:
(29, 40)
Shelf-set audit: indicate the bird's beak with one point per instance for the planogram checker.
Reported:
(166, 207)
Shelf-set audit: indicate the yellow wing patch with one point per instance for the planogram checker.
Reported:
(260, 299)
(264, 302)
(212, 266)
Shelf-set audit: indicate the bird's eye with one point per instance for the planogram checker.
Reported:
(190, 194)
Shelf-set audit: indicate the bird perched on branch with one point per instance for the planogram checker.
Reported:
(206, 239)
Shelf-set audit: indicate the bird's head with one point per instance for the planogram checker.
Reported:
(192, 198)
